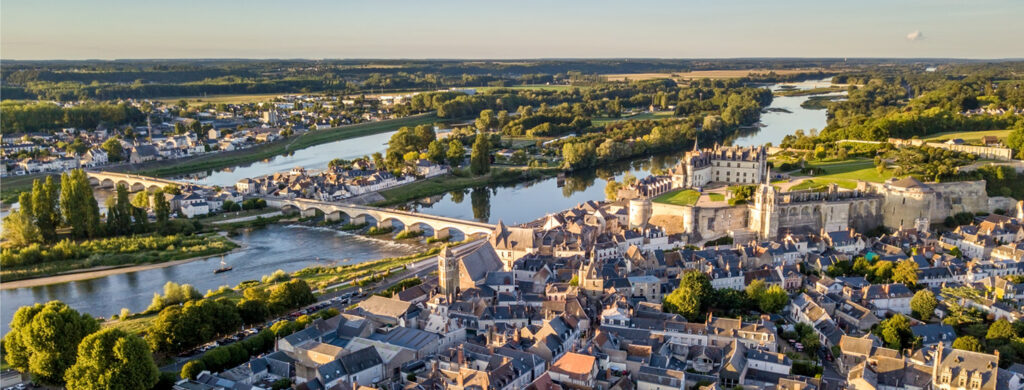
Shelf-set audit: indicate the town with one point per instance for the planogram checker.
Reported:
(652, 195)
(637, 292)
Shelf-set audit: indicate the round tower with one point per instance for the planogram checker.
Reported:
(639, 212)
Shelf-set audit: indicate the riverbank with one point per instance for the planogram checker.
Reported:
(68, 257)
(447, 183)
(14, 185)
(99, 272)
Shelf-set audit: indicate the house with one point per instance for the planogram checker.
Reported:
(894, 297)
(143, 153)
(933, 334)
(386, 311)
(575, 370)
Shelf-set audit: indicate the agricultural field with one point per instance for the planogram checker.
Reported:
(700, 74)
(638, 117)
(542, 87)
(226, 99)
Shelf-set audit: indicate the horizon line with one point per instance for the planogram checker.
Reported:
(1000, 59)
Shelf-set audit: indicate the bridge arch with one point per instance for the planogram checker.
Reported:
(420, 226)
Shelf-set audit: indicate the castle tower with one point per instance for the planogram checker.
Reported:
(448, 273)
(639, 212)
(763, 215)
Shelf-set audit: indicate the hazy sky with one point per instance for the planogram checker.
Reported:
(108, 29)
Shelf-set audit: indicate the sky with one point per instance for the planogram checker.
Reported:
(314, 29)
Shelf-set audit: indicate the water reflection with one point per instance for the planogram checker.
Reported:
(481, 202)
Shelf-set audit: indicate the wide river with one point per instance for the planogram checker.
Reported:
(291, 247)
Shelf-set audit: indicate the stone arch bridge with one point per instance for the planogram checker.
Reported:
(133, 182)
(358, 214)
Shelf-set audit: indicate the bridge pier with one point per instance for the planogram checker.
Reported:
(413, 228)
(359, 220)
(387, 223)
(308, 213)
(333, 217)
(442, 233)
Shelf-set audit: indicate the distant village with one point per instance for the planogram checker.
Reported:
(167, 135)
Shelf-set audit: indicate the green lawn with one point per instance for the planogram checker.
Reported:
(968, 136)
(843, 173)
(855, 169)
(679, 197)
(716, 197)
(821, 184)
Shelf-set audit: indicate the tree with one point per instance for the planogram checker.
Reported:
(480, 157)
(140, 215)
(773, 299)
(45, 208)
(955, 252)
(967, 343)
(487, 120)
(43, 339)
(78, 205)
(20, 229)
(424, 135)
(905, 272)
(690, 298)
(293, 293)
(115, 152)
(161, 208)
(112, 359)
(1000, 332)
(456, 153)
(923, 304)
(436, 152)
(253, 310)
(756, 289)
(1015, 140)
(192, 369)
(378, 160)
(119, 212)
(896, 332)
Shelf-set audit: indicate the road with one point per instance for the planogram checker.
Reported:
(418, 269)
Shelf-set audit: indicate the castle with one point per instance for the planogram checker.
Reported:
(730, 165)
(895, 204)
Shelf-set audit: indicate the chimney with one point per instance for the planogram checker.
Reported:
(938, 359)
(460, 378)
(461, 357)
(355, 385)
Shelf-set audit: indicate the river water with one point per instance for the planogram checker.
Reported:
(291, 247)
(265, 250)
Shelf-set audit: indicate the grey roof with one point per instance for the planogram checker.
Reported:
(331, 371)
(404, 337)
(302, 336)
(934, 333)
(361, 360)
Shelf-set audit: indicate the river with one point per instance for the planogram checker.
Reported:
(291, 248)
(265, 250)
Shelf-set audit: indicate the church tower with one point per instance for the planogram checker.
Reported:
(448, 273)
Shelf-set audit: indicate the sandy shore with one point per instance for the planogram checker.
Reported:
(99, 272)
